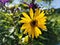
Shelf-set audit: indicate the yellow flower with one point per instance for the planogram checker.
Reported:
(25, 39)
(32, 22)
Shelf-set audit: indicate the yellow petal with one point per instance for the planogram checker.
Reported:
(43, 27)
(25, 20)
(37, 32)
(41, 15)
(32, 34)
(25, 15)
(27, 28)
(31, 13)
(23, 26)
(25, 31)
(30, 30)
(42, 20)
(37, 12)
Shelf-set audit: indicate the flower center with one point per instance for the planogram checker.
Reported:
(33, 23)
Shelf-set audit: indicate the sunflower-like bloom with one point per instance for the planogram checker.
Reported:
(33, 23)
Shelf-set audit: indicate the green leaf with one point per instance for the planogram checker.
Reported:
(25, 0)
(38, 0)
(43, 38)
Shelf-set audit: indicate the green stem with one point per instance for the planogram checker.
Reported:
(30, 41)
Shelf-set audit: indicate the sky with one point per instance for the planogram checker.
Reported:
(54, 4)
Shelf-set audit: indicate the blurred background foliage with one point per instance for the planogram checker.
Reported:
(10, 33)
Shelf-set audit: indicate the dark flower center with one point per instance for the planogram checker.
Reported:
(33, 23)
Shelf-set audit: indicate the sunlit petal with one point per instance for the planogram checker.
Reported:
(31, 13)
